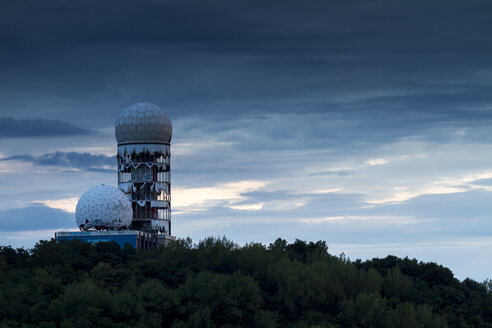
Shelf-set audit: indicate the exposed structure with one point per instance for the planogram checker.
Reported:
(143, 132)
(103, 208)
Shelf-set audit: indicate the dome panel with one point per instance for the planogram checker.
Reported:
(154, 134)
(103, 207)
(147, 119)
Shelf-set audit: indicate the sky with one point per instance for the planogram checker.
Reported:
(366, 124)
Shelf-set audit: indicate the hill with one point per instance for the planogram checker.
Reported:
(216, 283)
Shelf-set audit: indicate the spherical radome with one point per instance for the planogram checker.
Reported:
(143, 122)
(103, 207)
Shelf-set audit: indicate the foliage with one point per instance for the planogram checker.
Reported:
(216, 283)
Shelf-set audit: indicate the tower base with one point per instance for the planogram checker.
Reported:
(136, 239)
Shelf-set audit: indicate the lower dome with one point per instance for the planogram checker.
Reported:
(103, 208)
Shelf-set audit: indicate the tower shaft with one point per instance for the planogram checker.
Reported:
(144, 174)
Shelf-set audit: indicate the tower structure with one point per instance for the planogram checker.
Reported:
(143, 132)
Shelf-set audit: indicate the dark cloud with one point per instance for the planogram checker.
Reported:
(37, 217)
(249, 25)
(10, 127)
(83, 161)
(229, 59)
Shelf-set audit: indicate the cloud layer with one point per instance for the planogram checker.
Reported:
(37, 217)
(365, 124)
(67, 160)
(22, 128)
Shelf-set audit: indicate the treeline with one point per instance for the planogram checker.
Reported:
(218, 284)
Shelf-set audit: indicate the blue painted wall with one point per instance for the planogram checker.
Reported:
(120, 239)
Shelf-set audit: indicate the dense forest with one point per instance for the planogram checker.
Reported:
(216, 283)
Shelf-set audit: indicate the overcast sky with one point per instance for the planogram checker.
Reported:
(367, 124)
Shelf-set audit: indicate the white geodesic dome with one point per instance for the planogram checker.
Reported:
(143, 122)
(103, 208)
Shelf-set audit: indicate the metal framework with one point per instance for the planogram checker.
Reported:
(144, 173)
